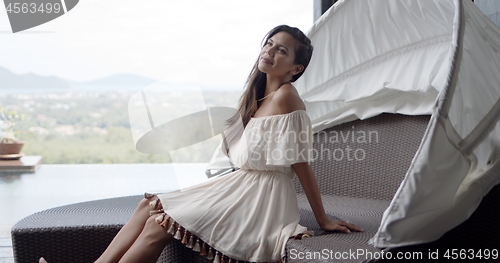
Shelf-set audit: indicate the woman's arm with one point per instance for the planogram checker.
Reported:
(286, 100)
(308, 182)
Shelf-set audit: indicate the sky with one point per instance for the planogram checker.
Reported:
(211, 42)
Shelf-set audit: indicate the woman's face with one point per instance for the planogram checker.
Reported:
(278, 55)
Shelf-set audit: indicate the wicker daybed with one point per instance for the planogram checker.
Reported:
(353, 188)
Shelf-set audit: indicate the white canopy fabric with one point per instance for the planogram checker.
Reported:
(414, 57)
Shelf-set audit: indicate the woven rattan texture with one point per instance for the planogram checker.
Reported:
(72, 233)
(366, 159)
(177, 252)
(79, 233)
(362, 212)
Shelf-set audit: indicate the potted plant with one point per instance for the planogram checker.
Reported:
(9, 145)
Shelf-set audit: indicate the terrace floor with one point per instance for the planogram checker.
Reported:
(22, 194)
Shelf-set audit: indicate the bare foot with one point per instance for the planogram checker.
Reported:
(42, 260)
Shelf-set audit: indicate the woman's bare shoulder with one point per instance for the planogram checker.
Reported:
(287, 99)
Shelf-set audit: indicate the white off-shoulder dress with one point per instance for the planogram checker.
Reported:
(249, 214)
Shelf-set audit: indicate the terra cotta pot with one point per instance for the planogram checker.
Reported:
(11, 147)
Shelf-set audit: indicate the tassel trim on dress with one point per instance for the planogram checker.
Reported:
(194, 242)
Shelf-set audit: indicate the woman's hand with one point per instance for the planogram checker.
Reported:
(341, 226)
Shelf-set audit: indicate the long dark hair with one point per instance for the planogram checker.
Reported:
(256, 81)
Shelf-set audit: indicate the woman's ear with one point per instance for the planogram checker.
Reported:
(297, 69)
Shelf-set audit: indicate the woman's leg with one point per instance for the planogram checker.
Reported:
(128, 234)
(149, 244)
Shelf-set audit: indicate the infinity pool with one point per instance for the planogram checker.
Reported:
(22, 194)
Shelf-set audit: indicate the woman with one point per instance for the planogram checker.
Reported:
(246, 215)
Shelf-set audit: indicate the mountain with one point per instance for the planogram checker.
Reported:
(30, 82)
(10, 80)
(33, 82)
(120, 80)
